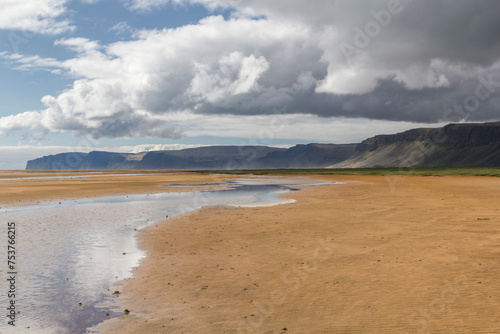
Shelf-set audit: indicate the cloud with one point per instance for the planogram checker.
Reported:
(122, 28)
(19, 121)
(149, 5)
(35, 16)
(126, 88)
(29, 63)
(389, 60)
(235, 74)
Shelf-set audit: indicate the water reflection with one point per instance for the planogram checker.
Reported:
(70, 254)
(24, 177)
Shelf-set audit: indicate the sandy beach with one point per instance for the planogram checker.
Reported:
(401, 254)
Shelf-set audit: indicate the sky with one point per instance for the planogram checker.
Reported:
(137, 75)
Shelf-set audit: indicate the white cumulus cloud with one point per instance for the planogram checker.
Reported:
(35, 16)
(235, 74)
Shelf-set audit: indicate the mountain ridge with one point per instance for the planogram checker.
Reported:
(454, 145)
(208, 157)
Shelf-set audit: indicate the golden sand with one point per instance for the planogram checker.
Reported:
(403, 254)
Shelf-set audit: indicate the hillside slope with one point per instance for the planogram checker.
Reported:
(455, 145)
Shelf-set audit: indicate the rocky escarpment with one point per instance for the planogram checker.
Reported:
(307, 156)
(211, 157)
(455, 145)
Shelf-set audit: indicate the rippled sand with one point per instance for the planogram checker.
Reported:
(401, 254)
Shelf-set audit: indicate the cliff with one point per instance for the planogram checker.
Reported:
(455, 145)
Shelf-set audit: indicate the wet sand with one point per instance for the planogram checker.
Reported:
(403, 254)
(31, 191)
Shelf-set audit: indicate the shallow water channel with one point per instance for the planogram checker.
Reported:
(69, 253)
